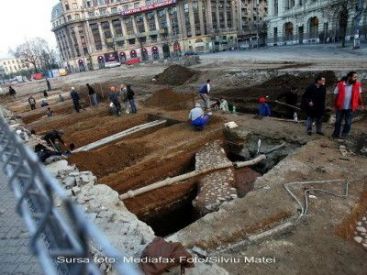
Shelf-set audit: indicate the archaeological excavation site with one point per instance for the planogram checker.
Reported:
(245, 195)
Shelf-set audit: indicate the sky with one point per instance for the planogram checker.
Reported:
(25, 19)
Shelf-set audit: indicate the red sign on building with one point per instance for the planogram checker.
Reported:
(158, 4)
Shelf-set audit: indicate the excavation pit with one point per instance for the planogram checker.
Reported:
(274, 149)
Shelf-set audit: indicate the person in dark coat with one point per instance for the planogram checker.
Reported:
(32, 102)
(76, 98)
(48, 84)
(12, 92)
(130, 96)
(313, 103)
(92, 95)
(45, 94)
(44, 153)
(290, 98)
(53, 138)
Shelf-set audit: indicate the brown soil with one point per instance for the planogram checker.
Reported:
(245, 178)
(109, 159)
(169, 100)
(175, 75)
(148, 204)
(347, 227)
(64, 120)
(148, 172)
(89, 131)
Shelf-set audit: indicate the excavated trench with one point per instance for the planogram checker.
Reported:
(152, 155)
(167, 214)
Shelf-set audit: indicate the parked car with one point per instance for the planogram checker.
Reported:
(189, 53)
(63, 72)
(112, 64)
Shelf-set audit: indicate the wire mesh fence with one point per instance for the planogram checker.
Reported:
(63, 240)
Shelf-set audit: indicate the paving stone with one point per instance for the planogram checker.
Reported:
(14, 244)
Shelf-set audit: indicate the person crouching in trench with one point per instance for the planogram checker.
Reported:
(198, 118)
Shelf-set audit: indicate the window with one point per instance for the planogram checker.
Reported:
(136, 5)
(151, 21)
(102, 11)
(117, 27)
(67, 6)
(75, 6)
(96, 36)
(129, 25)
(140, 23)
(114, 10)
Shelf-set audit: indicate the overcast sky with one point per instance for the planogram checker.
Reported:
(22, 19)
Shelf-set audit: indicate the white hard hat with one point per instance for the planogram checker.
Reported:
(72, 88)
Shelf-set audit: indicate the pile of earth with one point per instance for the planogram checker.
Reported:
(246, 99)
(175, 75)
(170, 100)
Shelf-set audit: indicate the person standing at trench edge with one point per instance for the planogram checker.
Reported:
(204, 94)
(313, 103)
(348, 98)
(76, 98)
(130, 96)
(92, 95)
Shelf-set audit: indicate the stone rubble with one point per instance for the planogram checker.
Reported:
(217, 187)
(360, 233)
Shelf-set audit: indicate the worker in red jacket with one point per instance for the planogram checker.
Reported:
(348, 98)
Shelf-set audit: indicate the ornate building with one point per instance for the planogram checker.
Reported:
(13, 65)
(101, 31)
(310, 21)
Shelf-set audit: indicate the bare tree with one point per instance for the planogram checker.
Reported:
(341, 11)
(33, 51)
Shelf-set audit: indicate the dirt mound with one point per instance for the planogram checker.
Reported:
(109, 159)
(246, 99)
(175, 75)
(170, 100)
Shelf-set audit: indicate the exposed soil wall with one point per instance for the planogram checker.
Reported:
(167, 99)
(109, 159)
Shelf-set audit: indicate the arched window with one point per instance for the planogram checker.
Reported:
(314, 27)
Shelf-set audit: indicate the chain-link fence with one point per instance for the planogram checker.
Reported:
(64, 241)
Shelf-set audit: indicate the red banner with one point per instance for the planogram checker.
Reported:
(154, 6)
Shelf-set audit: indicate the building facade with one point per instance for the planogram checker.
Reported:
(13, 65)
(100, 31)
(309, 21)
